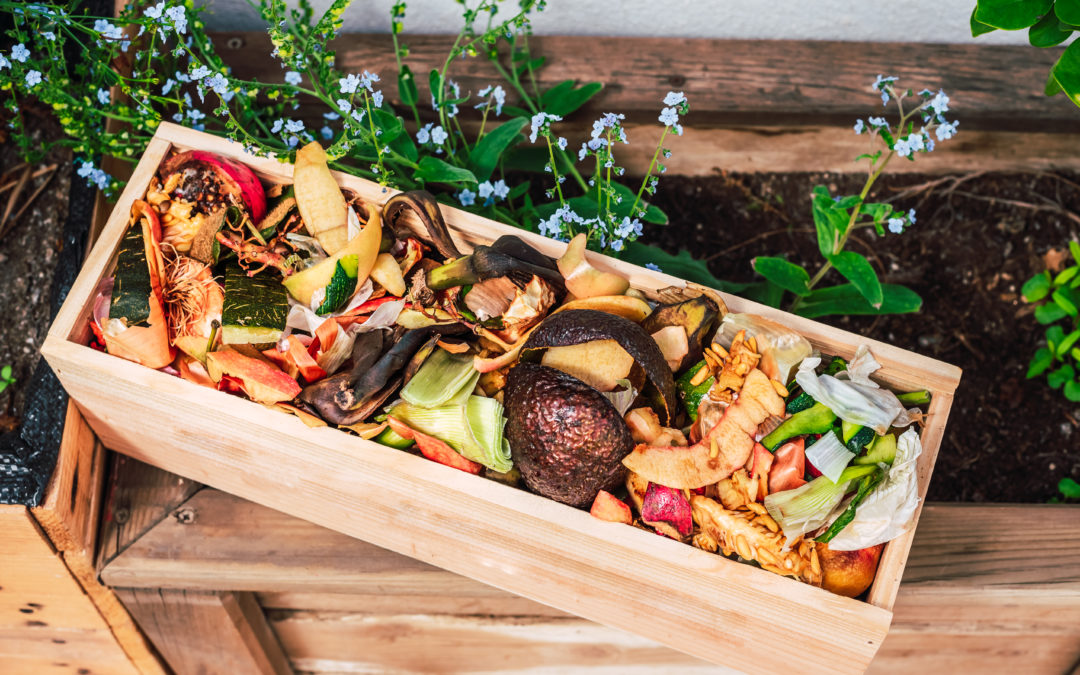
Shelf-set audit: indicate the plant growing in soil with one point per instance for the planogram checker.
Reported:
(1049, 23)
(155, 62)
(1058, 296)
(920, 123)
(6, 379)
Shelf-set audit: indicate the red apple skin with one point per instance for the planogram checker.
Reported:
(608, 507)
(262, 382)
(435, 449)
(848, 573)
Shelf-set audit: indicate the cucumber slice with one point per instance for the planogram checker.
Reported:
(393, 439)
(860, 439)
(848, 429)
(883, 450)
(341, 286)
(799, 403)
(254, 309)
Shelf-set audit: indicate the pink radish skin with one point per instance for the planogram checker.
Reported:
(237, 177)
(668, 510)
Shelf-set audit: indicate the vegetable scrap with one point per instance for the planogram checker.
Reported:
(662, 410)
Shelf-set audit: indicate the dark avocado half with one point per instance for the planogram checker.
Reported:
(575, 326)
(697, 315)
(566, 438)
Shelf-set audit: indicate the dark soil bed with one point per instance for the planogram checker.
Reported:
(1008, 439)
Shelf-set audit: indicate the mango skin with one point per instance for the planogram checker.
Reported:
(848, 573)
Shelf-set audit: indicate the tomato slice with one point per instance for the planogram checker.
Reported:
(789, 466)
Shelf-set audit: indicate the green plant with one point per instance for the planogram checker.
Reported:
(1049, 23)
(837, 217)
(1069, 490)
(6, 379)
(165, 67)
(1058, 300)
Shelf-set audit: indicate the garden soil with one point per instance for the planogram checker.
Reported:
(976, 241)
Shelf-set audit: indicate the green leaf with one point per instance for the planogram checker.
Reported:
(1069, 488)
(1068, 11)
(1040, 362)
(861, 274)
(1010, 14)
(1052, 87)
(434, 170)
(1075, 353)
(1066, 343)
(518, 190)
(1072, 391)
(1066, 72)
(1054, 336)
(404, 145)
(846, 299)
(485, 156)
(1066, 299)
(1074, 248)
(407, 86)
(978, 27)
(435, 82)
(786, 275)
(1036, 288)
(1049, 31)
(392, 126)
(1058, 377)
(685, 266)
(829, 221)
(1066, 275)
(1049, 313)
(563, 98)
(5, 373)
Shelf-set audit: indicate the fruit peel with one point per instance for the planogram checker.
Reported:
(262, 382)
(582, 279)
(608, 507)
(668, 511)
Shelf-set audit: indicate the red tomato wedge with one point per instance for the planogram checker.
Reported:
(789, 466)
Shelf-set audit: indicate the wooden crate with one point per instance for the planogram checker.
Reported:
(685, 598)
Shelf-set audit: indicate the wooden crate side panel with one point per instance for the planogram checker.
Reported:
(45, 618)
(201, 633)
(516, 541)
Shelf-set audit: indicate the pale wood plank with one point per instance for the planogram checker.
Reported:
(69, 517)
(207, 632)
(44, 613)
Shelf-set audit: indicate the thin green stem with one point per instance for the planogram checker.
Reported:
(648, 173)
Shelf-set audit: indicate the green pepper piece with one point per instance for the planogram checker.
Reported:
(913, 398)
(816, 419)
(866, 485)
(690, 395)
(837, 365)
(799, 403)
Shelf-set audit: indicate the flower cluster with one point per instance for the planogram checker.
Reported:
(931, 111)
(606, 211)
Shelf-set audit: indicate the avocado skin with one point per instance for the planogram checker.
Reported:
(575, 326)
(565, 437)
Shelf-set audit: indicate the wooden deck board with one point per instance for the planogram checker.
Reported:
(971, 590)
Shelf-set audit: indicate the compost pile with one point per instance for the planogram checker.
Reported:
(659, 410)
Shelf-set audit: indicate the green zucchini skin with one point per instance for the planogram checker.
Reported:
(131, 288)
(253, 302)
